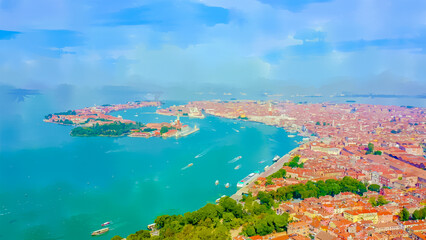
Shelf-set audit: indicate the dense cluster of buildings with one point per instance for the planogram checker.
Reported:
(182, 110)
(338, 146)
(165, 130)
(97, 114)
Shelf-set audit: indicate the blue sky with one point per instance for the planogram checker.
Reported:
(363, 46)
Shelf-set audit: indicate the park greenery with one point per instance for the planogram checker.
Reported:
(379, 202)
(69, 112)
(294, 163)
(419, 214)
(279, 174)
(374, 187)
(404, 215)
(66, 122)
(370, 150)
(313, 189)
(112, 130)
(256, 216)
(165, 129)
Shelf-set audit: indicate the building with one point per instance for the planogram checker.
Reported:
(301, 228)
(363, 214)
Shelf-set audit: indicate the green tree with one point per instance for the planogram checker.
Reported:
(373, 201)
(164, 129)
(116, 237)
(404, 215)
(230, 205)
(419, 214)
(263, 228)
(250, 231)
(381, 201)
(265, 198)
(377, 153)
(281, 222)
(374, 187)
(370, 148)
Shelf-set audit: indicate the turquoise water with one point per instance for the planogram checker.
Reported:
(53, 186)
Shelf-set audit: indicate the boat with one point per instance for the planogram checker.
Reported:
(187, 166)
(267, 166)
(237, 167)
(291, 136)
(248, 179)
(235, 159)
(136, 115)
(217, 182)
(276, 158)
(105, 224)
(236, 130)
(100, 231)
(227, 185)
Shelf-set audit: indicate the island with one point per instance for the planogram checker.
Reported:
(95, 121)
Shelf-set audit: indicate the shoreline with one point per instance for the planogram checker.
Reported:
(238, 195)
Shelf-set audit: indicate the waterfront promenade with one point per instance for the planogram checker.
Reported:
(270, 170)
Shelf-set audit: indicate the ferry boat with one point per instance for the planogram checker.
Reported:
(105, 224)
(247, 179)
(100, 231)
(217, 182)
(227, 185)
(276, 158)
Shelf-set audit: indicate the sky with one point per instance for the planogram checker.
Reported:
(210, 46)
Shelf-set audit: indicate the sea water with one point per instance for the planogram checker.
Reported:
(54, 186)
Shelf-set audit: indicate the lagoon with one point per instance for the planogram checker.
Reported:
(54, 186)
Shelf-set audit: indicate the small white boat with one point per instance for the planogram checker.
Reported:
(217, 182)
(276, 158)
(105, 224)
(227, 185)
(235, 159)
(237, 167)
(100, 231)
(136, 115)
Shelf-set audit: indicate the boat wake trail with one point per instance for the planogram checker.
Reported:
(203, 152)
(187, 166)
(235, 159)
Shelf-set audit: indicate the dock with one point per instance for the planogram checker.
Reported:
(270, 170)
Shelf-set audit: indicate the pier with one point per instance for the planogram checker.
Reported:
(270, 170)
